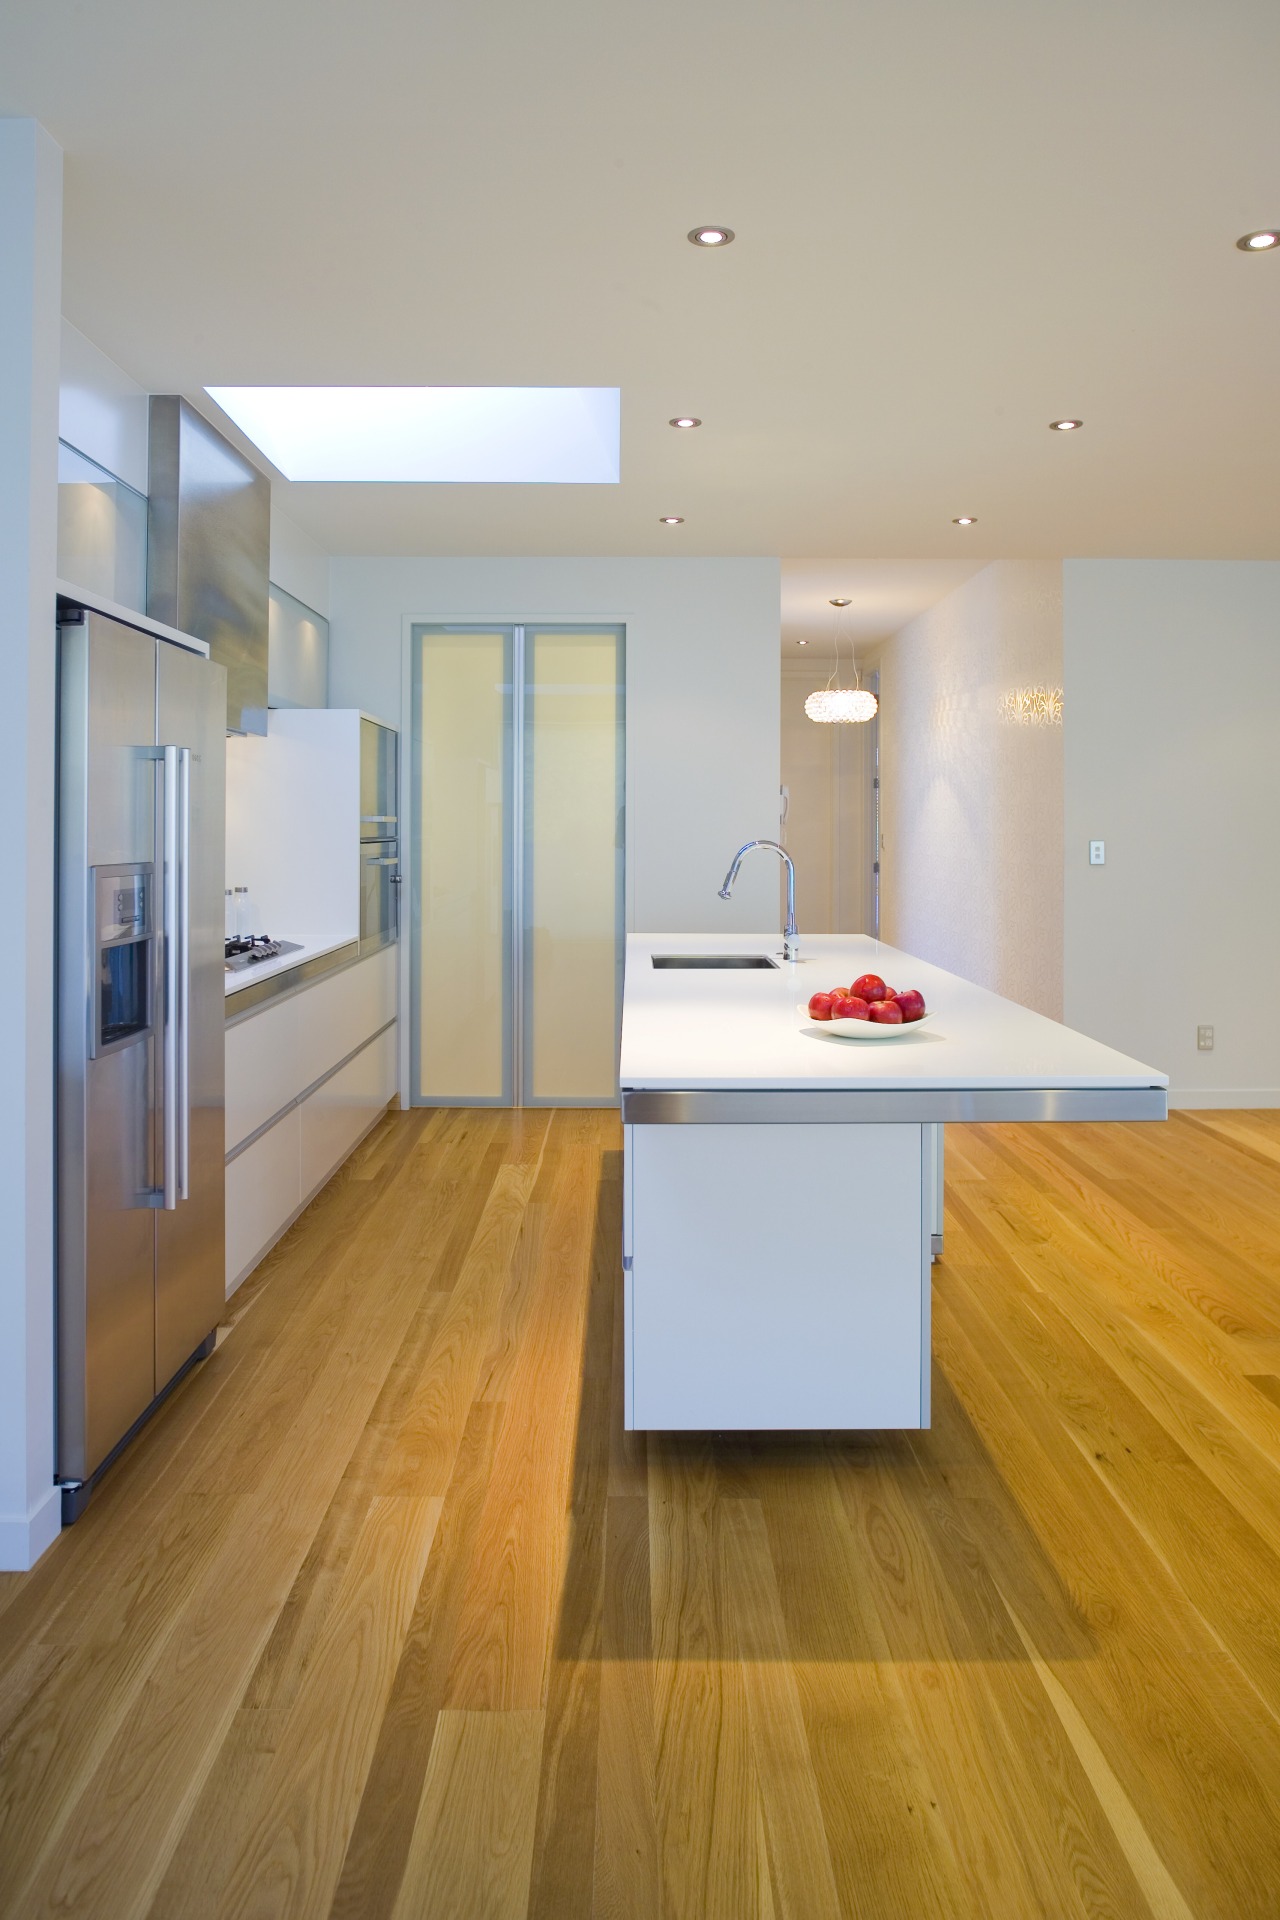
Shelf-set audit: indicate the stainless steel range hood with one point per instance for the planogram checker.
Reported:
(208, 550)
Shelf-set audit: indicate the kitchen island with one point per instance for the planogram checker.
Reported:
(780, 1181)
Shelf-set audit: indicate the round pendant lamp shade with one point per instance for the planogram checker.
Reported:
(841, 704)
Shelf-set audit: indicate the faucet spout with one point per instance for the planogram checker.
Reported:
(790, 936)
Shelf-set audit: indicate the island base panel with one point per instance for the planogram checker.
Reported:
(778, 1276)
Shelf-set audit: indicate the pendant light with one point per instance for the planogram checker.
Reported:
(841, 705)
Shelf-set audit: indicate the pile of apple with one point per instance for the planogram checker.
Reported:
(868, 999)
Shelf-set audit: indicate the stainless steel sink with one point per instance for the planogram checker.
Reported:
(735, 962)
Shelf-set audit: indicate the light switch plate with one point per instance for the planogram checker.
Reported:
(1204, 1039)
(1097, 853)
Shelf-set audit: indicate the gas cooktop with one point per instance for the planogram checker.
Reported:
(252, 952)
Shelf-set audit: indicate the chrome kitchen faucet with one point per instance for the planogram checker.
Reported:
(790, 935)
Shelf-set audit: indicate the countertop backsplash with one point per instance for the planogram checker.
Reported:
(293, 806)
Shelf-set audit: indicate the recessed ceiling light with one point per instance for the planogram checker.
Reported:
(684, 420)
(1259, 242)
(802, 643)
(498, 435)
(1064, 426)
(965, 520)
(672, 520)
(839, 603)
(711, 236)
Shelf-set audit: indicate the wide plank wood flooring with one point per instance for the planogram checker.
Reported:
(386, 1618)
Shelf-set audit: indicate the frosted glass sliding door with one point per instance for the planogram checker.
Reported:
(517, 911)
(573, 766)
(461, 867)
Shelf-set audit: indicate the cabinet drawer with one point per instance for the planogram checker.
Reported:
(264, 1068)
(337, 1113)
(341, 1011)
(264, 1190)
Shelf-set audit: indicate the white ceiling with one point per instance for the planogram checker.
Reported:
(954, 225)
(883, 596)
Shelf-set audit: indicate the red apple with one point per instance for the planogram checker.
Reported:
(820, 1006)
(869, 986)
(887, 1013)
(847, 1006)
(912, 1004)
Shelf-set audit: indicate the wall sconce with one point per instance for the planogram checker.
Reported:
(1032, 706)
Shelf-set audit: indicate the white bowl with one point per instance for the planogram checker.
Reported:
(865, 1029)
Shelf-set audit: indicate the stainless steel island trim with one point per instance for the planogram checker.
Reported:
(876, 1105)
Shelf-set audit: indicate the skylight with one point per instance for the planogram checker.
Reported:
(540, 436)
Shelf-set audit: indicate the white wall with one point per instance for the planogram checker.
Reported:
(972, 804)
(293, 813)
(702, 700)
(30, 304)
(299, 564)
(1172, 676)
(101, 411)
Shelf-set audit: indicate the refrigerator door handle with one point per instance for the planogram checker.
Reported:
(175, 908)
(169, 937)
(182, 1086)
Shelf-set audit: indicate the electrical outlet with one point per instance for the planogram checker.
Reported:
(1097, 853)
(1204, 1039)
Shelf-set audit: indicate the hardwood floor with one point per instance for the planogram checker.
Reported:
(386, 1617)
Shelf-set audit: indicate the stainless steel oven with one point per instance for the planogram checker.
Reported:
(379, 841)
(379, 894)
(379, 763)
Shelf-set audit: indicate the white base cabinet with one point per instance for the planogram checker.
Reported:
(306, 1077)
(263, 1195)
(343, 1108)
(274, 1055)
(777, 1276)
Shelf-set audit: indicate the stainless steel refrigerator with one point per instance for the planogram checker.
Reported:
(141, 825)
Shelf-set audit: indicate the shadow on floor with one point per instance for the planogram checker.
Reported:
(882, 1546)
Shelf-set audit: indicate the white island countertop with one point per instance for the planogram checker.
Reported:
(748, 1030)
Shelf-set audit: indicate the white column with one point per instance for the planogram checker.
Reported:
(30, 325)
